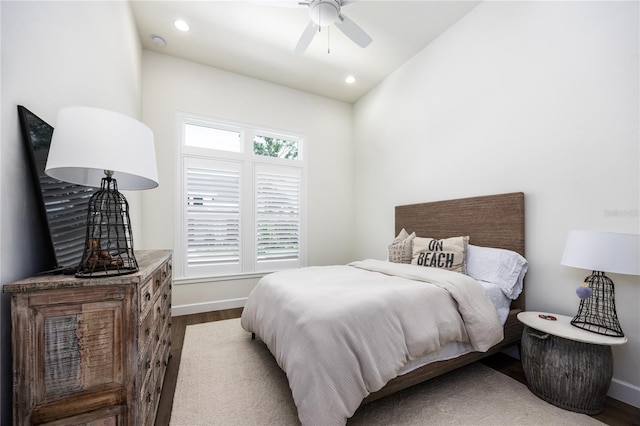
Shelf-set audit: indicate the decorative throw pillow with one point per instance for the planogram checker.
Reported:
(448, 253)
(400, 250)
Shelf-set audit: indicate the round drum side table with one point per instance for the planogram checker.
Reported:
(564, 365)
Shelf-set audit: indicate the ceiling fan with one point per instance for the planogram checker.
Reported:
(324, 13)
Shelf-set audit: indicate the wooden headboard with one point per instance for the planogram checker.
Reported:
(489, 221)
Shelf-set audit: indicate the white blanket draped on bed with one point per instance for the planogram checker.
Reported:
(342, 332)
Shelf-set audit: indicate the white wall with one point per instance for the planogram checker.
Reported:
(54, 54)
(171, 85)
(518, 96)
(539, 97)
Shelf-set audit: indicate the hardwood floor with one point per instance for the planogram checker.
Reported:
(615, 413)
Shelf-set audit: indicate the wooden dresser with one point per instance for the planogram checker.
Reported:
(89, 351)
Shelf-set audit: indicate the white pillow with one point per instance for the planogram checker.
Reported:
(505, 268)
(401, 249)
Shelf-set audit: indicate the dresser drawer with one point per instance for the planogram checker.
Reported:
(146, 295)
(145, 332)
(158, 279)
(165, 299)
(165, 273)
(158, 309)
(148, 398)
(145, 364)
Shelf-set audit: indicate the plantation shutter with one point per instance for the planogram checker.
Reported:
(212, 216)
(278, 218)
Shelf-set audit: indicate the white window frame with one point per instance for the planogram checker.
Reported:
(249, 265)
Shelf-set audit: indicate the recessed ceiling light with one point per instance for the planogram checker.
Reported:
(350, 79)
(181, 25)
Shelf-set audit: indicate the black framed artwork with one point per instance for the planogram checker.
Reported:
(63, 206)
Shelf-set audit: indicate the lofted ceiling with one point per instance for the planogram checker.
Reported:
(256, 38)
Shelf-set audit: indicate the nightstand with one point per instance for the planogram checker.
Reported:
(564, 365)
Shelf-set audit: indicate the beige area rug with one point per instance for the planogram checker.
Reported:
(225, 378)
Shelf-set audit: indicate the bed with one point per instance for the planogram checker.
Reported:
(333, 369)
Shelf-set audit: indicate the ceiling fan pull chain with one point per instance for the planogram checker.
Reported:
(328, 40)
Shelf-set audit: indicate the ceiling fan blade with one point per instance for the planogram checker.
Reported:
(353, 31)
(306, 38)
(347, 2)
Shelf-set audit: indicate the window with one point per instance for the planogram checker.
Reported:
(203, 136)
(275, 147)
(241, 200)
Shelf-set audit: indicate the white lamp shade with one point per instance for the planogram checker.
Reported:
(603, 251)
(87, 141)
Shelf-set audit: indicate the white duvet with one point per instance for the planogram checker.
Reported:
(342, 332)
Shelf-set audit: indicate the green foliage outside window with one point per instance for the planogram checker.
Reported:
(274, 147)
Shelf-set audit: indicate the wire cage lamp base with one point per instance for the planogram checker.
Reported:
(109, 243)
(598, 312)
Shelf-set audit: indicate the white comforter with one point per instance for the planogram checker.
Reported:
(342, 332)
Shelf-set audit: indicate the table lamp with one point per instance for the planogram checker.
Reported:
(601, 252)
(93, 147)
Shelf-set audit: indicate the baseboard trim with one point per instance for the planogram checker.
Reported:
(198, 308)
(625, 392)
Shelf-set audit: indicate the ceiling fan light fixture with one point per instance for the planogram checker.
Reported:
(324, 12)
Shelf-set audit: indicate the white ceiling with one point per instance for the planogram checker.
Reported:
(256, 38)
